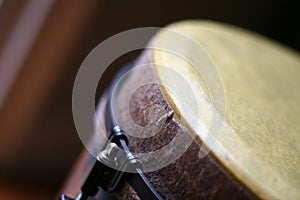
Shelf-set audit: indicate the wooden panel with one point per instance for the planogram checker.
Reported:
(42, 69)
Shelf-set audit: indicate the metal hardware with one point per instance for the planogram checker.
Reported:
(110, 166)
(114, 161)
(119, 162)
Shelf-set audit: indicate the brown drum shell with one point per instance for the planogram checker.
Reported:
(189, 177)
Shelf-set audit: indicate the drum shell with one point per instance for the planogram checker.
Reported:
(188, 177)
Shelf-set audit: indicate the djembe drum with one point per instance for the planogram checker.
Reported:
(233, 124)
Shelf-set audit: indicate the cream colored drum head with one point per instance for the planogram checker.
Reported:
(259, 142)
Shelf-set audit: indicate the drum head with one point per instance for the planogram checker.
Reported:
(255, 97)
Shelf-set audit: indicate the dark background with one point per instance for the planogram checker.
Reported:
(37, 108)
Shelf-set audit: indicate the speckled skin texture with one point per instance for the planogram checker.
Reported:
(127, 192)
(188, 177)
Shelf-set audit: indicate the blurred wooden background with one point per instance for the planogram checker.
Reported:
(42, 44)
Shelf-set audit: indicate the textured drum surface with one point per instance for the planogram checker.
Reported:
(260, 139)
(187, 177)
